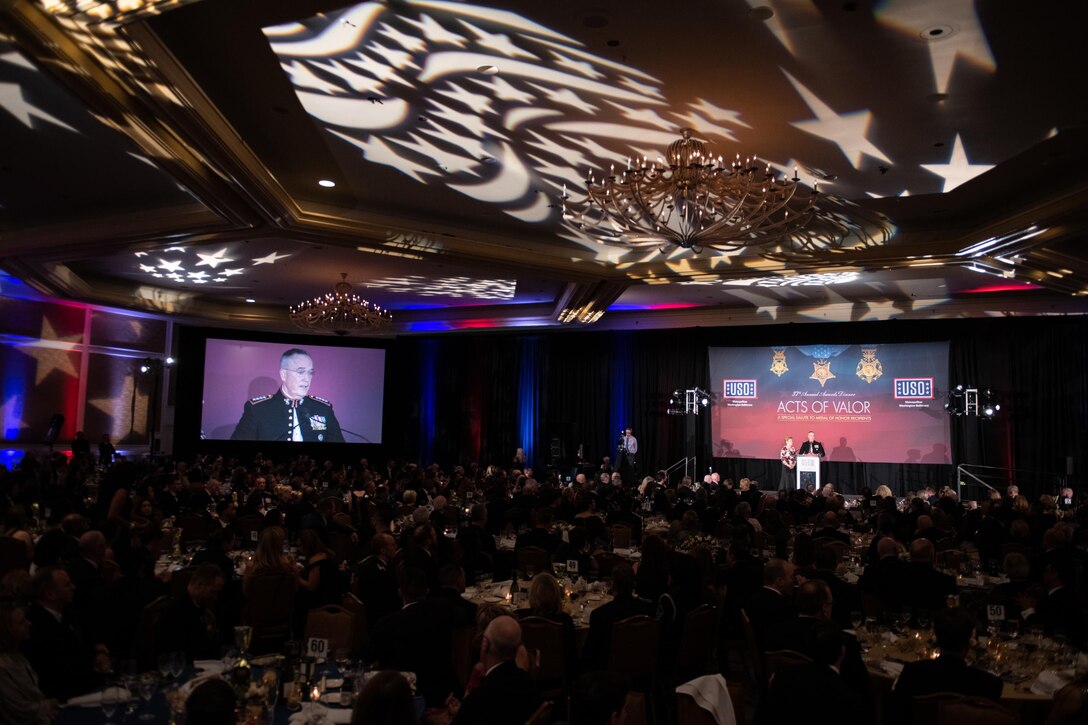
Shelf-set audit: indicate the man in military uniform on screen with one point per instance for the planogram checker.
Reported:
(291, 413)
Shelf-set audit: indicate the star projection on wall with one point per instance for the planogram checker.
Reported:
(190, 265)
(456, 287)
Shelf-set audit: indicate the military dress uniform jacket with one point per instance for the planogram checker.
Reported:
(270, 418)
(815, 448)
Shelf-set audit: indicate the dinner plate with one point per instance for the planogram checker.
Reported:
(493, 599)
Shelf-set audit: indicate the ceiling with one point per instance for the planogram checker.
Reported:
(165, 155)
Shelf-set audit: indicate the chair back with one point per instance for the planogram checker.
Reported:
(606, 562)
(842, 551)
(144, 645)
(778, 660)
(543, 714)
(752, 659)
(246, 526)
(13, 555)
(359, 633)
(461, 651)
(535, 558)
(543, 639)
(621, 536)
(331, 623)
(689, 712)
(698, 641)
(270, 600)
(952, 708)
(634, 647)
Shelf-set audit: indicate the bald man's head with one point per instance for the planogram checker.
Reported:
(922, 550)
(887, 547)
(502, 638)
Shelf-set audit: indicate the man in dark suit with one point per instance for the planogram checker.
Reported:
(812, 447)
(422, 554)
(623, 605)
(814, 603)
(928, 589)
(188, 625)
(540, 535)
(66, 664)
(417, 639)
(886, 578)
(815, 693)
(1056, 609)
(845, 596)
(772, 604)
(169, 499)
(451, 585)
(507, 693)
(829, 529)
(291, 413)
(375, 580)
(948, 673)
(477, 544)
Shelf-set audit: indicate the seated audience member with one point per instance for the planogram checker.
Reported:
(422, 553)
(927, 588)
(887, 578)
(477, 545)
(212, 702)
(546, 601)
(188, 625)
(220, 541)
(1009, 594)
(376, 581)
(772, 603)
(845, 595)
(417, 639)
(599, 698)
(386, 699)
(66, 663)
(815, 693)
(507, 693)
(829, 529)
(814, 606)
(451, 585)
(954, 628)
(1055, 608)
(319, 580)
(540, 535)
(21, 702)
(269, 560)
(623, 605)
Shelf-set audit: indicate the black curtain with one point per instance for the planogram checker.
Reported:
(1038, 367)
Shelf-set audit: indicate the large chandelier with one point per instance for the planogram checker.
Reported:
(340, 312)
(694, 200)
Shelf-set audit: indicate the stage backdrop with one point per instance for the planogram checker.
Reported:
(871, 403)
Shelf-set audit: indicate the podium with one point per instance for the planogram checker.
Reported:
(808, 471)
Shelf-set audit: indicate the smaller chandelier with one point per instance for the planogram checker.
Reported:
(340, 312)
(693, 200)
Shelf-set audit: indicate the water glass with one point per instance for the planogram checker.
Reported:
(147, 689)
(111, 698)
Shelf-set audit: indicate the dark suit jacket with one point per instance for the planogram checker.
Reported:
(187, 628)
(812, 694)
(377, 586)
(928, 588)
(888, 580)
(540, 538)
(846, 598)
(59, 655)
(815, 448)
(1058, 612)
(768, 609)
(475, 540)
(599, 640)
(462, 611)
(417, 639)
(506, 696)
(800, 635)
(944, 674)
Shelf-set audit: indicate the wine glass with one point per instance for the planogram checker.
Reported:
(177, 664)
(111, 698)
(923, 619)
(166, 664)
(856, 619)
(243, 635)
(146, 683)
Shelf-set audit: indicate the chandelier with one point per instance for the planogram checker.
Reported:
(694, 200)
(340, 312)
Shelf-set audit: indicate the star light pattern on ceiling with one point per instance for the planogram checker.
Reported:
(821, 279)
(958, 170)
(13, 99)
(194, 266)
(456, 287)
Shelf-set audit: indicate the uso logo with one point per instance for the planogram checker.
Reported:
(739, 389)
(914, 388)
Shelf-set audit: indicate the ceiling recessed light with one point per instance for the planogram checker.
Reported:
(937, 32)
(250, 300)
(327, 183)
(487, 70)
(761, 12)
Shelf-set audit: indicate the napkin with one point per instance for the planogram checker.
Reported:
(209, 667)
(94, 699)
(332, 714)
(621, 552)
(1050, 681)
(711, 694)
(892, 668)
